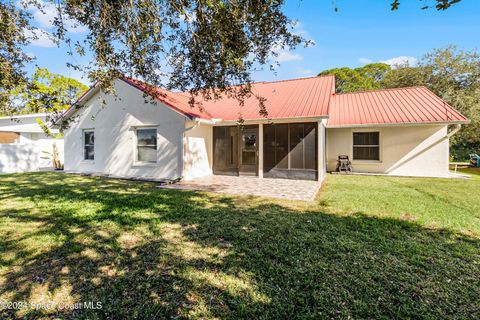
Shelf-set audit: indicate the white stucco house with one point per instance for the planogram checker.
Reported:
(393, 132)
(24, 146)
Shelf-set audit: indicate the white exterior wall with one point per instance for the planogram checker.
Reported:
(114, 124)
(421, 150)
(198, 148)
(33, 151)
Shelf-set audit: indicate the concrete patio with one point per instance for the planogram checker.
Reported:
(274, 188)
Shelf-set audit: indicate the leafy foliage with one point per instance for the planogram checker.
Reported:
(375, 71)
(13, 25)
(367, 77)
(183, 45)
(51, 92)
(438, 4)
(196, 45)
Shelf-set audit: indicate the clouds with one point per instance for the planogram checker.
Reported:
(39, 38)
(44, 18)
(304, 72)
(365, 61)
(393, 62)
(401, 60)
(283, 55)
(298, 29)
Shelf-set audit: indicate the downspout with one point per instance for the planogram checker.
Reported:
(455, 130)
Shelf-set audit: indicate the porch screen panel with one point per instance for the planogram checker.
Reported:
(296, 145)
(290, 150)
(219, 147)
(310, 146)
(281, 146)
(269, 146)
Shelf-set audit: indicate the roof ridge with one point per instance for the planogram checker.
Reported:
(275, 81)
(379, 90)
(302, 78)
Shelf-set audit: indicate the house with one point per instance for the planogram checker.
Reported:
(24, 146)
(393, 132)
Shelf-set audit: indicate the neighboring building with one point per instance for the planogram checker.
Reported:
(394, 132)
(24, 146)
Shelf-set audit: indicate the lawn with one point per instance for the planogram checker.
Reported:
(369, 247)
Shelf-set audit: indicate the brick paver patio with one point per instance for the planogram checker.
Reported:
(275, 188)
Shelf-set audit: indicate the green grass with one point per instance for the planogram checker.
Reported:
(369, 247)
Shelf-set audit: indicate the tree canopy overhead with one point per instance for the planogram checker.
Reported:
(180, 44)
(437, 4)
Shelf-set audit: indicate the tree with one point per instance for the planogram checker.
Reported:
(200, 45)
(348, 80)
(13, 23)
(375, 71)
(368, 77)
(49, 92)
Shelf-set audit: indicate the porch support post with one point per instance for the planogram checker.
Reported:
(320, 153)
(260, 150)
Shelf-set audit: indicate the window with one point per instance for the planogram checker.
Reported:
(88, 145)
(366, 146)
(147, 145)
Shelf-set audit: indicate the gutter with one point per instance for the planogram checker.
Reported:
(199, 121)
(455, 130)
(398, 124)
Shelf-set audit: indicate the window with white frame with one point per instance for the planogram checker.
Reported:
(366, 146)
(88, 145)
(147, 145)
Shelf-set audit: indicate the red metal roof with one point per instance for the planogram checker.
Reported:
(305, 97)
(391, 106)
(314, 97)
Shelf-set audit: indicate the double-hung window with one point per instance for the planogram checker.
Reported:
(147, 145)
(366, 146)
(88, 145)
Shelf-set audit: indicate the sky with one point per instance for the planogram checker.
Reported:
(358, 33)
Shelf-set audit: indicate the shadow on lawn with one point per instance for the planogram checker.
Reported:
(149, 253)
